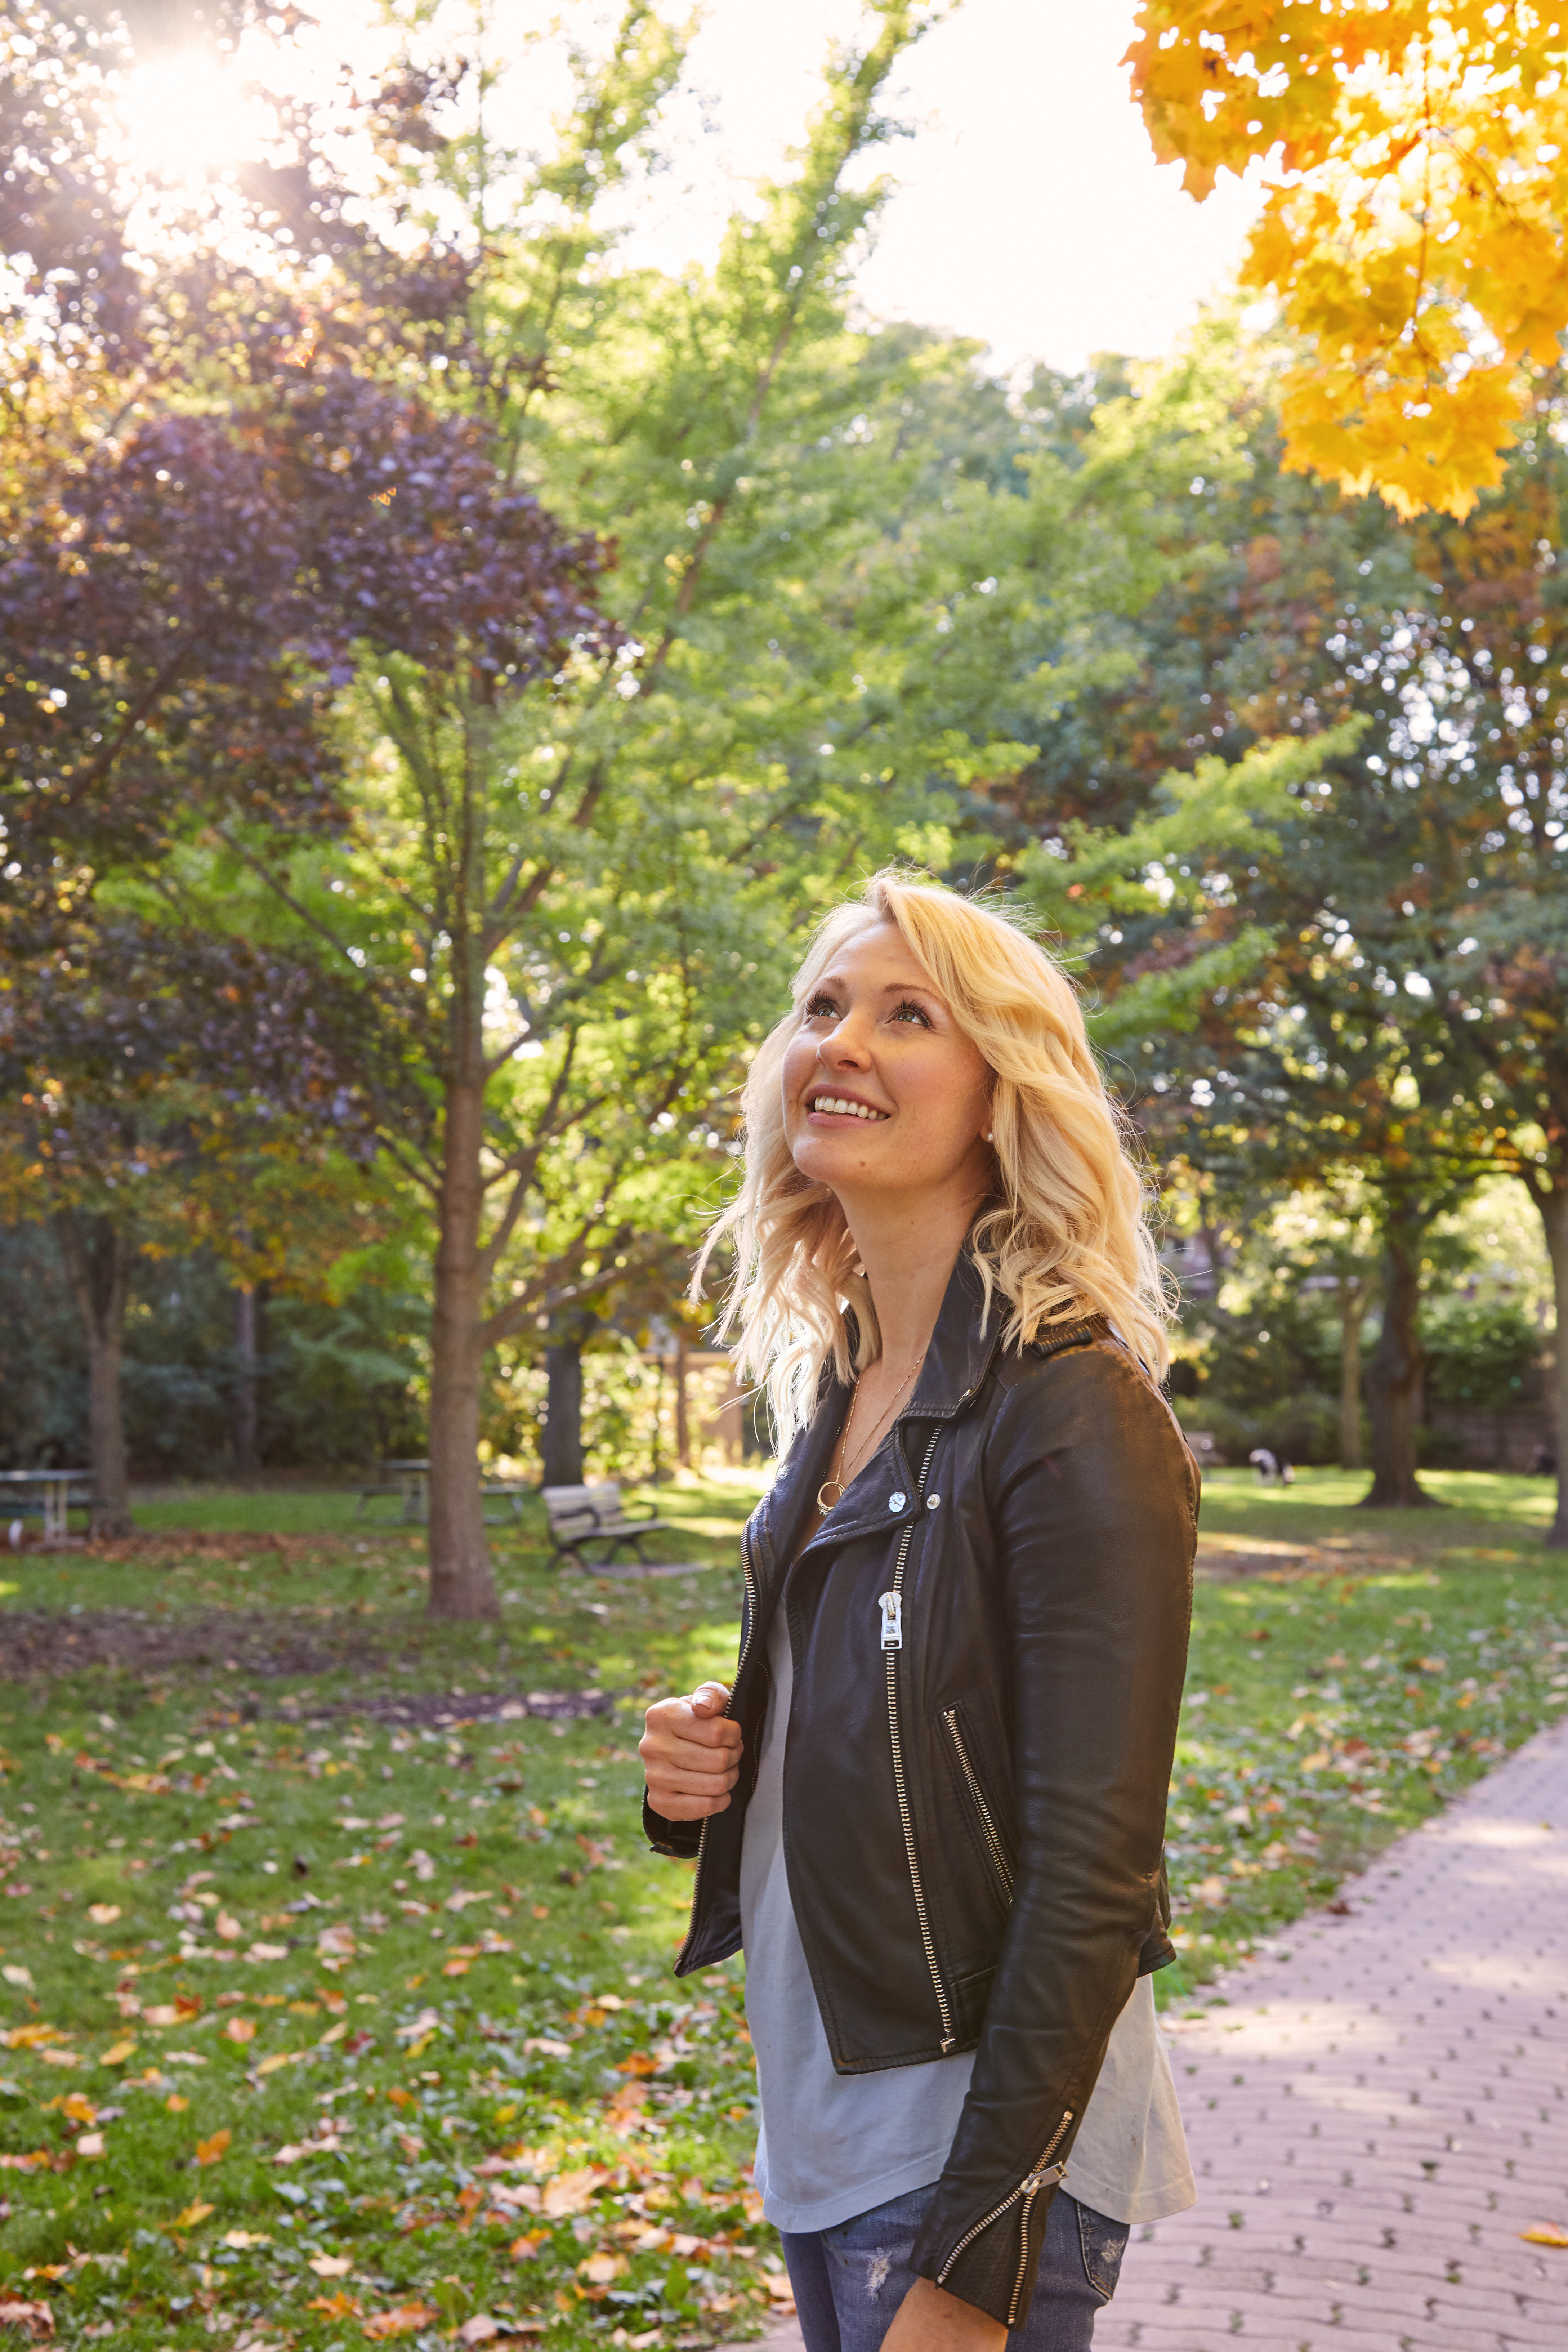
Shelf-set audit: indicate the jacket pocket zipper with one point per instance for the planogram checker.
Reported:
(1044, 2175)
(749, 1617)
(994, 1845)
(891, 1606)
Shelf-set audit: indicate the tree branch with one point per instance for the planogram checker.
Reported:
(258, 866)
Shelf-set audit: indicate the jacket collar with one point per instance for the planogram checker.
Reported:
(956, 1362)
(960, 1353)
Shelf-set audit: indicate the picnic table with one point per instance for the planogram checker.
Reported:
(409, 1482)
(58, 1493)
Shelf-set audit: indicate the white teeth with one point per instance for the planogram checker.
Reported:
(838, 1110)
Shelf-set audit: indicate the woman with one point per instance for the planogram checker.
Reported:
(932, 1806)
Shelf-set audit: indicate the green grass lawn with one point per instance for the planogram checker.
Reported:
(338, 2004)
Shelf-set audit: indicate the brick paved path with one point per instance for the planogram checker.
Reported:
(1383, 2107)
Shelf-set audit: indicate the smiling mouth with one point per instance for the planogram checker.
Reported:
(840, 1106)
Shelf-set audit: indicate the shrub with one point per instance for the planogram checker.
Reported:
(1480, 1353)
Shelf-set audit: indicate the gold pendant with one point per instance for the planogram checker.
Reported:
(823, 1505)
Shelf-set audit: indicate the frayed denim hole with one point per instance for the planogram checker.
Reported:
(1103, 2242)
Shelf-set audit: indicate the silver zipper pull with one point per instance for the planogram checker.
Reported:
(892, 1609)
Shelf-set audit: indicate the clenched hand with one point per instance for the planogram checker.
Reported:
(691, 1754)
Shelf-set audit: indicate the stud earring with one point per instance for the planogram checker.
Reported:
(986, 1136)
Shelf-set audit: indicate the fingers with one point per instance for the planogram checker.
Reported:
(678, 1719)
(685, 1809)
(691, 1755)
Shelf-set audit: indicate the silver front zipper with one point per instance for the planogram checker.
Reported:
(994, 1844)
(1044, 2175)
(749, 1618)
(895, 1598)
(892, 1607)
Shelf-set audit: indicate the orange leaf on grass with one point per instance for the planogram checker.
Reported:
(572, 2192)
(210, 2151)
(336, 2307)
(240, 2029)
(191, 2216)
(406, 2320)
(33, 2318)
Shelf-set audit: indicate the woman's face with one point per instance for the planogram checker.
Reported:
(882, 1092)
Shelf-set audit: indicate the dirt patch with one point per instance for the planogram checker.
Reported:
(174, 1547)
(169, 1546)
(262, 1644)
(1223, 1559)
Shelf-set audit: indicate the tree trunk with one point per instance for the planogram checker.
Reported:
(97, 1257)
(1353, 1305)
(562, 1447)
(1394, 1373)
(245, 1461)
(1553, 1207)
(683, 1407)
(461, 1584)
(655, 1470)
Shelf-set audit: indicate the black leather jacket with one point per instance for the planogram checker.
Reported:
(990, 1636)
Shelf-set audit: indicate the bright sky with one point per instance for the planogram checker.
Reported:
(1030, 212)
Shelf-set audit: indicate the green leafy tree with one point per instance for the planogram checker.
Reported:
(1497, 631)
(1325, 1056)
(160, 1093)
(823, 635)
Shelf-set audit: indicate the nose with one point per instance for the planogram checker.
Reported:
(845, 1048)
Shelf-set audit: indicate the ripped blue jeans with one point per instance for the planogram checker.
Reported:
(849, 2281)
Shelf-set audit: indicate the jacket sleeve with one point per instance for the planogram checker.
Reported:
(1091, 1497)
(680, 1839)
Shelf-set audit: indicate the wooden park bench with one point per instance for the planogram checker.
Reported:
(585, 1515)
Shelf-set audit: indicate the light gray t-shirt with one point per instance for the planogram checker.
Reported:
(832, 2146)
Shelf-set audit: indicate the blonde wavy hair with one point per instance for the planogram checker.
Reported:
(1064, 1232)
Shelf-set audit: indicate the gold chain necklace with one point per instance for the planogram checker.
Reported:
(840, 1485)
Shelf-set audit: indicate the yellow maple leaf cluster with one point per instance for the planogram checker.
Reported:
(1414, 155)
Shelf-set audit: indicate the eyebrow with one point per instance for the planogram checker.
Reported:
(893, 988)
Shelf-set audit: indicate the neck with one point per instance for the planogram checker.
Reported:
(908, 1247)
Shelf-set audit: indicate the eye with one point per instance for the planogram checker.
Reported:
(909, 1011)
(817, 1006)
